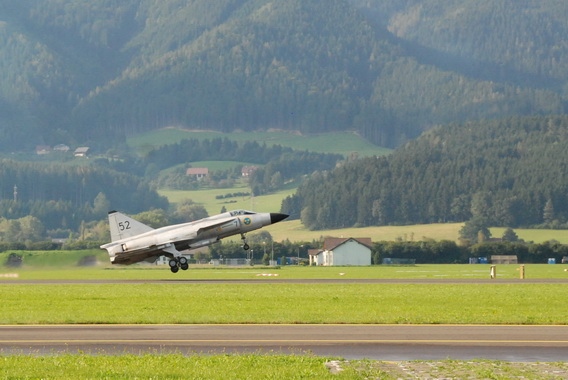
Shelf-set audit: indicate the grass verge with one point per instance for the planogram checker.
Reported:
(171, 366)
(252, 366)
(266, 303)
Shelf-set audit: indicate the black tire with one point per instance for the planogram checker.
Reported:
(246, 247)
(182, 260)
(174, 269)
(184, 266)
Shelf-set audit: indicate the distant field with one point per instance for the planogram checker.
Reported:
(341, 142)
(208, 198)
(295, 231)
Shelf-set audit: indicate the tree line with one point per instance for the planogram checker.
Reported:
(508, 173)
(448, 252)
(61, 197)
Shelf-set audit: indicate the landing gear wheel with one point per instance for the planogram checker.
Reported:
(246, 247)
(182, 261)
(174, 269)
(184, 266)
(173, 263)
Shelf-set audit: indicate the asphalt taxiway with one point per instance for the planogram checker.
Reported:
(378, 342)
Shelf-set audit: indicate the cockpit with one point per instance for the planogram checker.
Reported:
(241, 212)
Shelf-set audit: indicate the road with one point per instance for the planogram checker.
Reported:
(378, 342)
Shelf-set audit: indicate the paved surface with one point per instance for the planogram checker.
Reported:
(379, 342)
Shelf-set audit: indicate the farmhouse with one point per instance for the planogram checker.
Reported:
(247, 171)
(198, 173)
(61, 148)
(81, 151)
(43, 149)
(341, 251)
(316, 256)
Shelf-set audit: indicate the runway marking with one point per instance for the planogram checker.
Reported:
(349, 325)
(281, 341)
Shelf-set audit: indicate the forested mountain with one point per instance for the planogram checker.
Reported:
(94, 72)
(512, 173)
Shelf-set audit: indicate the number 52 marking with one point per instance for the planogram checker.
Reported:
(124, 225)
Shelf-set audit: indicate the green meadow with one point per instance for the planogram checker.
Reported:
(213, 205)
(269, 302)
(344, 143)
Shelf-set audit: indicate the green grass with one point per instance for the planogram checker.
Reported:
(207, 198)
(338, 142)
(256, 366)
(268, 302)
(173, 366)
(55, 259)
(49, 265)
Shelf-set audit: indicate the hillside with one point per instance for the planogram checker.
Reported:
(94, 73)
(510, 173)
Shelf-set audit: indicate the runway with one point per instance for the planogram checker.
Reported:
(377, 342)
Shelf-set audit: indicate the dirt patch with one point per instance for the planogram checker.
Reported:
(454, 369)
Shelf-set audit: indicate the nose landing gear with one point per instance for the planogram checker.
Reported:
(178, 263)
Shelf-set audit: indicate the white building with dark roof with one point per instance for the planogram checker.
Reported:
(341, 251)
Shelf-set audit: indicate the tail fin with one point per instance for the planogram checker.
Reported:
(122, 226)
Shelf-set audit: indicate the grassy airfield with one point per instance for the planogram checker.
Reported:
(269, 301)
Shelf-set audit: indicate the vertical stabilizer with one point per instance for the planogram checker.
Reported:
(122, 226)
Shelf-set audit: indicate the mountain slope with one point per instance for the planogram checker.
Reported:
(95, 72)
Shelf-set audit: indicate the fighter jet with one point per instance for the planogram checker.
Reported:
(133, 241)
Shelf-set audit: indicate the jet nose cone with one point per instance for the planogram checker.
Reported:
(275, 217)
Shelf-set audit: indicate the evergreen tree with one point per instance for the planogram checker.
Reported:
(548, 212)
(475, 230)
(510, 235)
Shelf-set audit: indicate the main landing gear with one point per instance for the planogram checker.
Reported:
(178, 262)
(246, 247)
